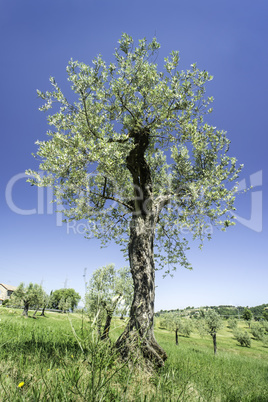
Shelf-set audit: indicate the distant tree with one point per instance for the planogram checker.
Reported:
(45, 303)
(174, 323)
(107, 287)
(124, 284)
(41, 302)
(66, 298)
(232, 323)
(211, 324)
(258, 331)
(247, 316)
(27, 296)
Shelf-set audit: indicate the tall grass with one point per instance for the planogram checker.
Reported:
(61, 358)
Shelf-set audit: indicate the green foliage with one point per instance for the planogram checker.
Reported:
(265, 314)
(247, 315)
(64, 299)
(243, 338)
(258, 311)
(28, 296)
(213, 322)
(232, 323)
(258, 330)
(109, 290)
(117, 106)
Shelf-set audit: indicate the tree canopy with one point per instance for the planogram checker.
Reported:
(87, 158)
(64, 299)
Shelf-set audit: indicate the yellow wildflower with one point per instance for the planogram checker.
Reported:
(21, 384)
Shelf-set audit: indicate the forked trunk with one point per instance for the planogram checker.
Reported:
(140, 328)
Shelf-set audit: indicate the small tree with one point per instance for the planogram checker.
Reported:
(124, 284)
(107, 287)
(41, 302)
(258, 331)
(45, 303)
(247, 316)
(27, 296)
(243, 338)
(211, 324)
(174, 323)
(232, 323)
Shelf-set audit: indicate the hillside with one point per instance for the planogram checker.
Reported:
(224, 310)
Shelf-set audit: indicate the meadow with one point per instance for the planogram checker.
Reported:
(60, 358)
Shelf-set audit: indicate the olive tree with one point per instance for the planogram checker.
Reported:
(210, 324)
(27, 296)
(106, 289)
(135, 158)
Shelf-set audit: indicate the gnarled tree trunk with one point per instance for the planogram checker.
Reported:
(140, 329)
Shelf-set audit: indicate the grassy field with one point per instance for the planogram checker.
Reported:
(60, 358)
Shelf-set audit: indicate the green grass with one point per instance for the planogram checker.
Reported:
(60, 358)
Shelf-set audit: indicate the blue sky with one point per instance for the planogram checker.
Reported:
(226, 38)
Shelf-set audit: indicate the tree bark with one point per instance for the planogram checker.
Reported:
(176, 336)
(34, 314)
(43, 312)
(214, 342)
(25, 309)
(140, 328)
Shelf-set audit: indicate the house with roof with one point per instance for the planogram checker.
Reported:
(6, 291)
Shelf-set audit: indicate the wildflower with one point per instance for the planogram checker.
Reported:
(21, 384)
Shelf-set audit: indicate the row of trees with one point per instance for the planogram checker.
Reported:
(34, 296)
(210, 323)
(109, 291)
(247, 313)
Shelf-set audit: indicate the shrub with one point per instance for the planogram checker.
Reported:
(258, 331)
(243, 338)
(232, 323)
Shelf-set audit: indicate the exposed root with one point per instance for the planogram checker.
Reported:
(131, 345)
